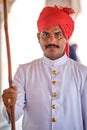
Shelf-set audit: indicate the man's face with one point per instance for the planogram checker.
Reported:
(52, 42)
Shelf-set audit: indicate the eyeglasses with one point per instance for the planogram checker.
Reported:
(46, 35)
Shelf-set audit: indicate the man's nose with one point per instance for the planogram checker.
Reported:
(52, 38)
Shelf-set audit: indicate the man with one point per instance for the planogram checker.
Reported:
(51, 91)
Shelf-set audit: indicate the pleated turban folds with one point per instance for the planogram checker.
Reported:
(57, 15)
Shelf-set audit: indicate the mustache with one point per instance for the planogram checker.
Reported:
(49, 45)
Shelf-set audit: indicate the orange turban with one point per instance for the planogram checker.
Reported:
(57, 15)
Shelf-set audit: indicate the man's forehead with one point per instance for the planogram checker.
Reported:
(52, 29)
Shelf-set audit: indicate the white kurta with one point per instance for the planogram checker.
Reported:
(52, 95)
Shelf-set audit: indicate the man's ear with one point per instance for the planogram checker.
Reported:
(38, 36)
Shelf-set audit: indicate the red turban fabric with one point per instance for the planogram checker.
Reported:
(57, 15)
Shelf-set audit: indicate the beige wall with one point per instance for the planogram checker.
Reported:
(75, 4)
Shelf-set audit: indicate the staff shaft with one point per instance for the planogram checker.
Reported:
(9, 60)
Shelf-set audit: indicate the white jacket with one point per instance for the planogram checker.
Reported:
(52, 95)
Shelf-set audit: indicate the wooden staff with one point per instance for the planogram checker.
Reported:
(9, 60)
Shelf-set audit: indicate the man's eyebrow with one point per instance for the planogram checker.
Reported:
(58, 32)
(45, 32)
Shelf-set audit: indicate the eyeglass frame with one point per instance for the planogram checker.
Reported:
(46, 35)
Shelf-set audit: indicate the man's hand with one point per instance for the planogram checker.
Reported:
(9, 97)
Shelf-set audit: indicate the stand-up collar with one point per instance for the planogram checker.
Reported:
(56, 62)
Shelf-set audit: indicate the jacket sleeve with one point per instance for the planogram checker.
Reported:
(84, 103)
(20, 103)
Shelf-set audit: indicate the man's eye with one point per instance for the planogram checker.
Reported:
(59, 34)
(45, 35)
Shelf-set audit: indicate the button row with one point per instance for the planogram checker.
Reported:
(54, 119)
(54, 72)
(54, 106)
(54, 82)
(54, 94)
